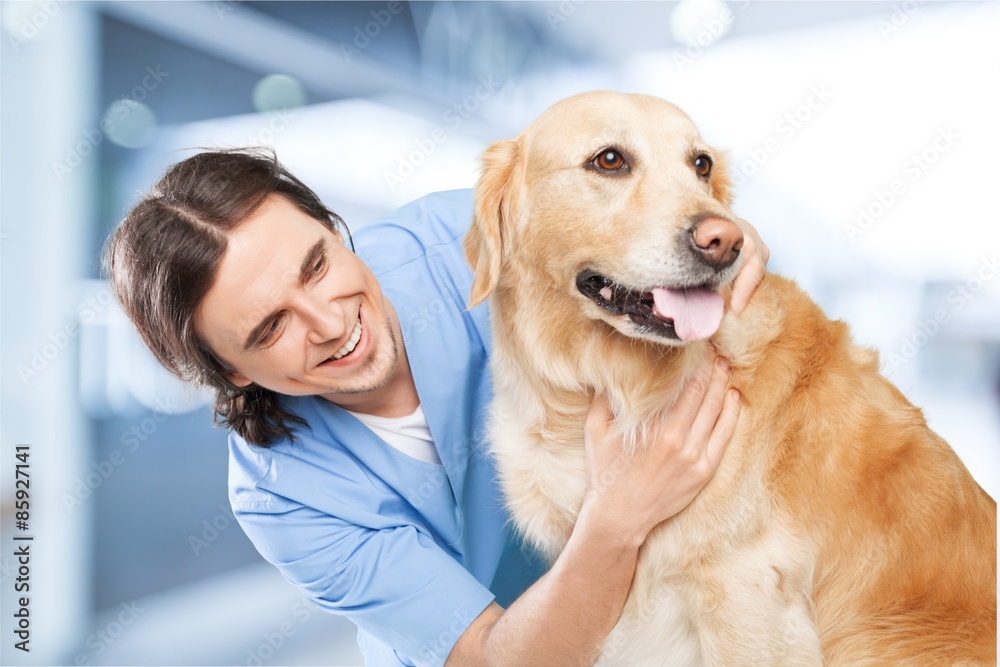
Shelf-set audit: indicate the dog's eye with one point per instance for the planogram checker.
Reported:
(610, 160)
(703, 164)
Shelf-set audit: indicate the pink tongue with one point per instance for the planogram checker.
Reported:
(696, 312)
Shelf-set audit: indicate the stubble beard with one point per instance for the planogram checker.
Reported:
(372, 363)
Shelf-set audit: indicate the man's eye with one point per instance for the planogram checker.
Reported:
(319, 265)
(610, 160)
(271, 334)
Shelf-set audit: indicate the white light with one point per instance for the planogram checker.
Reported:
(129, 123)
(278, 91)
(700, 22)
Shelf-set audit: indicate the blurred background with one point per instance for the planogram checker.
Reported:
(862, 137)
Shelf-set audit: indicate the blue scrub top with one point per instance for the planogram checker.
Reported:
(411, 551)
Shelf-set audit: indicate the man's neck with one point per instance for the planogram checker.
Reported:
(397, 398)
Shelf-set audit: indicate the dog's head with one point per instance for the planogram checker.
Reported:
(614, 204)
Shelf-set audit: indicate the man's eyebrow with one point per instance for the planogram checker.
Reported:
(314, 253)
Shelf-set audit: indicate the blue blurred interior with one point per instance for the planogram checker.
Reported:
(363, 89)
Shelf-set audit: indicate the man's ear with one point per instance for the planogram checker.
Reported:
(722, 186)
(485, 244)
(238, 379)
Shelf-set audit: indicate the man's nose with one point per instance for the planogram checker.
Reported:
(324, 318)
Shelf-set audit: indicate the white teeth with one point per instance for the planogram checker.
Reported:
(351, 343)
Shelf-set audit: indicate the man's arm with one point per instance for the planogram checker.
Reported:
(565, 616)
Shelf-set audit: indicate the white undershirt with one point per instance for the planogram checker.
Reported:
(410, 434)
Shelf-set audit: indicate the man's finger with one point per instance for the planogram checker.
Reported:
(712, 405)
(724, 429)
(751, 236)
(685, 410)
(750, 275)
(598, 418)
(745, 284)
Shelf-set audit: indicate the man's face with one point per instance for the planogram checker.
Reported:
(295, 311)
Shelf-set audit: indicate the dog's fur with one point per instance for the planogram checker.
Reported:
(838, 529)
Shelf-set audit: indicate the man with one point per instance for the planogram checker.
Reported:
(355, 388)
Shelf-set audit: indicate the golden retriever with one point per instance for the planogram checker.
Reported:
(838, 529)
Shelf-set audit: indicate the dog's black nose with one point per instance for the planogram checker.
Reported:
(717, 241)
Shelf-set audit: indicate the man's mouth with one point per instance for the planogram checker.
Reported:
(688, 313)
(351, 343)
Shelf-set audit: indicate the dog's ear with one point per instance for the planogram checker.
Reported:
(485, 242)
(722, 186)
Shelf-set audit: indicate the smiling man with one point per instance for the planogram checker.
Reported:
(307, 341)
(355, 389)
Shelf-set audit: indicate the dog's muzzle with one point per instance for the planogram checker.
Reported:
(620, 300)
(684, 314)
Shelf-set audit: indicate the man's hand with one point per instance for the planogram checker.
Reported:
(637, 490)
(756, 255)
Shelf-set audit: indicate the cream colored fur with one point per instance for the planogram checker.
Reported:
(838, 528)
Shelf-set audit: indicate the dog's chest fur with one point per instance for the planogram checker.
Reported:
(725, 563)
(725, 572)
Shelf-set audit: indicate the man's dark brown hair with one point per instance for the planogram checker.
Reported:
(163, 257)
